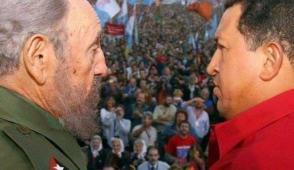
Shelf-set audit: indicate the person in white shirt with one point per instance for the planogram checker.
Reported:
(114, 125)
(107, 115)
(139, 153)
(197, 117)
(146, 131)
(153, 162)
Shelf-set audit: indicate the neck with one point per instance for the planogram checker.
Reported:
(183, 135)
(153, 163)
(33, 93)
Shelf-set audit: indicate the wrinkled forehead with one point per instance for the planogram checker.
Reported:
(81, 19)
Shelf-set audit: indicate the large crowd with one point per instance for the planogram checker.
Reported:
(165, 75)
(157, 95)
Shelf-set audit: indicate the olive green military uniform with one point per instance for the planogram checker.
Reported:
(30, 137)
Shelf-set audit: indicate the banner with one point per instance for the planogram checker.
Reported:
(115, 29)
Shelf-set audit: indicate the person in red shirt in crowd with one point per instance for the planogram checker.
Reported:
(179, 145)
(253, 73)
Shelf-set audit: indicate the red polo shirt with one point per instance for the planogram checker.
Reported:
(261, 138)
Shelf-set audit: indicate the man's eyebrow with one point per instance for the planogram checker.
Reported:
(97, 40)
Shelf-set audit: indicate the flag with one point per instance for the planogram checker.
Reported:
(197, 43)
(132, 2)
(148, 2)
(106, 9)
(189, 2)
(123, 15)
(192, 42)
(130, 29)
(136, 33)
(103, 16)
(183, 2)
(204, 9)
(210, 28)
(157, 3)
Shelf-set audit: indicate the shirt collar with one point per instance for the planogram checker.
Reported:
(155, 165)
(230, 133)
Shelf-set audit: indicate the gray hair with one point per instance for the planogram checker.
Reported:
(21, 19)
(139, 141)
(96, 137)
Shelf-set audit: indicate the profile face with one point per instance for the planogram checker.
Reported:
(76, 79)
(234, 66)
(86, 56)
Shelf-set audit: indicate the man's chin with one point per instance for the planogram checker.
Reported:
(77, 109)
(82, 127)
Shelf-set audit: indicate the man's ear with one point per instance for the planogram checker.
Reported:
(273, 53)
(35, 57)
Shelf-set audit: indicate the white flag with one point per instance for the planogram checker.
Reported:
(111, 7)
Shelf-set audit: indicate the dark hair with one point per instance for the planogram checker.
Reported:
(152, 148)
(108, 99)
(147, 114)
(185, 121)
(181, 111)
(193, 149)
(267, 20)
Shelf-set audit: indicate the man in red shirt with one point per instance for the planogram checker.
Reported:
(253, 73)
(179, 145)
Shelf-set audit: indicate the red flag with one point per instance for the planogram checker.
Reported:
(204, 9)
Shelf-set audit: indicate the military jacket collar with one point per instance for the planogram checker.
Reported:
(17, 109)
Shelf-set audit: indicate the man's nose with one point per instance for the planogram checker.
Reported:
(213, 67)
(101, 68)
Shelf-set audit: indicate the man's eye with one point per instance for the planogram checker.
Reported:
(219, 46)
(95, 50)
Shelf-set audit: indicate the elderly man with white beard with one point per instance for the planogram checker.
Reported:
(47, 82)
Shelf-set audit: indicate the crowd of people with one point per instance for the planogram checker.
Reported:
(157, 101)
(157, 105)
